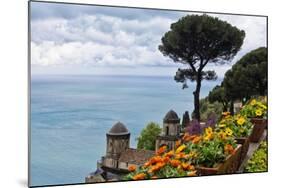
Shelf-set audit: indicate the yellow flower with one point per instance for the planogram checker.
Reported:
(208, 133)
(222, 125)
(191, 155)
(222, 135)
(241, 121)
(209, 130)
(208, 137)
(223, 121)
(253, 102)
(263, 106)
(258, 112)
(169, 154)
(228, 131)
(181, 148)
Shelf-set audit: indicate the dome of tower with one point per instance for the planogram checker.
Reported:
(171, 116)
(118, 129)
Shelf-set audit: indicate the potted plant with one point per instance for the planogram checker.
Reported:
(257, 112)
(165, 164)
(241, 128)
(217, 153)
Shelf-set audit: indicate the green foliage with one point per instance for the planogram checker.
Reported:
(206, 108)
(258, 162)
(218, 94)
(196, 40)
(248, 77)
(147, 138)
(211, 153)
(201, 37)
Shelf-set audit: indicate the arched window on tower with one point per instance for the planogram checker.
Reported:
(167, 130)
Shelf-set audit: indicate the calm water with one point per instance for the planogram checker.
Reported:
(70, 116)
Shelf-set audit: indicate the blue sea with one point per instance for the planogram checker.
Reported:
(70, 116)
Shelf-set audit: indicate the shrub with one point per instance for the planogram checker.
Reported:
(258, 162)
(148, 135)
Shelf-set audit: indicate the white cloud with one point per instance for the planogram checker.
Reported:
(103, 41)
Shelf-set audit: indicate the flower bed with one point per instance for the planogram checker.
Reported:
(163, 165)
(257, 111)
(230, 165)
(240, 127)
(209, 153)
(218, 149)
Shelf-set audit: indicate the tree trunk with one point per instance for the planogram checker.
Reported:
(196, 94)
(224, 104)
(231, 108)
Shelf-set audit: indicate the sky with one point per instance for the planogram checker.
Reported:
(98, 40)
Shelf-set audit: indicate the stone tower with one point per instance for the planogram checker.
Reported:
(170, 132)
(117, 141)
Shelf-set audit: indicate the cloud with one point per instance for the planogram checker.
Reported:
(95, 37)
(46, 10)
(98, 41)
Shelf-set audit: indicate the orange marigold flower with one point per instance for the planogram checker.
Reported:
(132, 168)
(155, 159)
(185, 166)
(169, 154)
(166, 159)
(161, 150)
(160, 165)
(228, 148)
(146, 164)
(178, 143)
(190, 138)
(185, 136)
(196, 139)
(180, 155)
(156, 167)
(175, 162)
(139, 176)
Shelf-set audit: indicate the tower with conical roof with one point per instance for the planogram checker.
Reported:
(170, 132)
(117, 140)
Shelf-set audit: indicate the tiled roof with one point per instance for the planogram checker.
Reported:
(135, 156)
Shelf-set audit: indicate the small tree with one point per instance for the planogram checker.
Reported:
(197, 40)
(148, 135)
(248, 77)
(218, 94)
